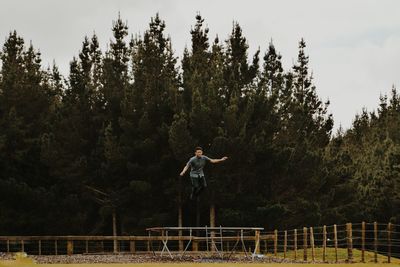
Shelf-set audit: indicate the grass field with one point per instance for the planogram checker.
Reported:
(342, 255)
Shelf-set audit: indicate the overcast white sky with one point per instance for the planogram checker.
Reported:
(354, 46)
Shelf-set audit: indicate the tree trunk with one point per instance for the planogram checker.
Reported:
(212, 224)
(114, 217)
(212, 215)
(198, 211)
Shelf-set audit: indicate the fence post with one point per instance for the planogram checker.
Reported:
(363, 242)
(305, 243)
(295, 244)
(148, 241)
(389, 242)
(257, 242)
(266, 247)
(335, 241)
(8, 246)
(324, 244)
(312, 244)
(180, 240)
(132, 246)
(349, 232)
(40, 247)
(375, 242)
(87, 246)
(22, 246)
(195, 245)
(276, 243)
(285, 244)
(55, 247)
(70, 247)
(115, 245)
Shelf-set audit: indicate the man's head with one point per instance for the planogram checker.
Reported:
(198, 151)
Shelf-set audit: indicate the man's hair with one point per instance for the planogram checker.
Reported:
(198, 148)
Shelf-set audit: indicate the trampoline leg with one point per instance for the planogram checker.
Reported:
(187, 246)
(234, 247)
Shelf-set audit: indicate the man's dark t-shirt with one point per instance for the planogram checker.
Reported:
(197, 164)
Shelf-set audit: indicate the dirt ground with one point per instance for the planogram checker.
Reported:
(146, 260)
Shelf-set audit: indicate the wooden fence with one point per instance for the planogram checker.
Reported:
(57, 245)
(357, 242)
(350, 242)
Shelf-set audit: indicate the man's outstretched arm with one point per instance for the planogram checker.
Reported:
(184, 169)
(218, 160)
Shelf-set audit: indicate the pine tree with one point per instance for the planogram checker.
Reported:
(115, 73)
(308, 127)
(238, 73)
(264, 126)
(148, 107)
(25, 107)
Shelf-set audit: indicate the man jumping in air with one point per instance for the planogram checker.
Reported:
(196, 165)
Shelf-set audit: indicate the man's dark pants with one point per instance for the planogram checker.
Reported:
(198, 184)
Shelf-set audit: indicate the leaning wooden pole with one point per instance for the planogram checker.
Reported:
(257, 242)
